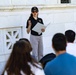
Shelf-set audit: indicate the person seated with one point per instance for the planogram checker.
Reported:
(21, 62)
(47, 58)
(71, 46)
(64, 63)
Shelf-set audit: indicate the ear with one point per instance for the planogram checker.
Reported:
(52, 46)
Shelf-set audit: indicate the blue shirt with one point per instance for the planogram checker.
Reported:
(64, 64)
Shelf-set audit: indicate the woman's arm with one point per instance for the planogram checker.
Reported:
(29, 26)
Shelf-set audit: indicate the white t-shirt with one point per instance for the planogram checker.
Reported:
(35, 70)
(71, 48)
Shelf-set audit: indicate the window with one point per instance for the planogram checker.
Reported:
(65, 1)
(11, 35)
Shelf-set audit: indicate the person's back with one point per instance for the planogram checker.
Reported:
(64, 63)
(71, 46)
(47, 58)
(21, 62)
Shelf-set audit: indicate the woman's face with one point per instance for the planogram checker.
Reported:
(35, 14)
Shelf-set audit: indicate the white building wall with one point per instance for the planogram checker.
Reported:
(32, 2)
(59, 18)
(27, 2)
(14, 14)
(73, 1)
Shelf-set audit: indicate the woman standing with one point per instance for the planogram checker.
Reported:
(35, 38)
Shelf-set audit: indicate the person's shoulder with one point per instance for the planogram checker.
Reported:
(39, 18)
(36, 65)
(49, 67)
(29, 19)
(37, 70)
(71, 56)
(52, 62)
(74, 45)
(55, 62)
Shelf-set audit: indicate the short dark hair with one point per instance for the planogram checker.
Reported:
(70, 35)
(59, 42)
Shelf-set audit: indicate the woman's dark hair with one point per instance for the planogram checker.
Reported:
(31, 16)
(19, 58)
(25, 39)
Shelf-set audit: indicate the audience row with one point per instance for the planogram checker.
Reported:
(63, 62)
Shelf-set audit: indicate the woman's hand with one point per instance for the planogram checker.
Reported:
(43, 29)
